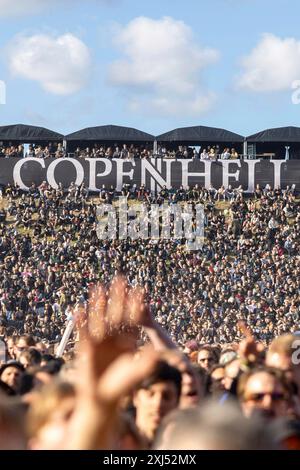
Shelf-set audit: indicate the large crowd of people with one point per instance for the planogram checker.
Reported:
(131, 151)
(55, 150)
(218, 324)
(248, 266)
(125, 151)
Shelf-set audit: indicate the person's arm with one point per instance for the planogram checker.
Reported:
(105, 368)
(159, 337)
(250, 352)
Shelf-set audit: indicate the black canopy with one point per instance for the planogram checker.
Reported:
(28, 134)
(197, 134)
(278, 134)
(111, 134)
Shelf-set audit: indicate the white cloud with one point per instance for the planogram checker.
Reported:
(61, 65)
(161, 67)
(272, 65)
(172, 105)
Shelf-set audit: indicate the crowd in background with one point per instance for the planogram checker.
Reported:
(248, 266)
(55, 150)
(125, 151)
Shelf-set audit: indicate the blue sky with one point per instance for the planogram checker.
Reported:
(155, 65)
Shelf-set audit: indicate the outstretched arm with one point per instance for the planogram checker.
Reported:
(159, 337)
(108, 369)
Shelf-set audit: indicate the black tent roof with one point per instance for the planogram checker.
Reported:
(28, 134)
(199, 134)
(112, 134)
(278, 134)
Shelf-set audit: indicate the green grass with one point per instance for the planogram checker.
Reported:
(220, 207)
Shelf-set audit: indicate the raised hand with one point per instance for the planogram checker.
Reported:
(140, 309)
(249, 350)
(107, 366)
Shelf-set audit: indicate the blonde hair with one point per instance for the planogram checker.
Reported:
(283, 345)
(47, 401)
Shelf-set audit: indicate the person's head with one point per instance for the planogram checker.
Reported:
(227, 356)
(11, 373)
(207, 357)
(217, 375)
(190, 346)
(156, 397)
(46, 358)
(265, 391)
(42, 376)
(212, 427)
(231, 371)
(279, 354)
(193, 386)
(30, 357)
(10, 344)
(283, 354)
(23, 343)
(49, 415)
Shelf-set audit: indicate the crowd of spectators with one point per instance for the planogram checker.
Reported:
(55, 150)
(193, 309)
(248, 266)
(124, 151)
(131, 151)
(118, 395)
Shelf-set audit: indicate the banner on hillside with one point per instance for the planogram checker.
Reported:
(154, 173)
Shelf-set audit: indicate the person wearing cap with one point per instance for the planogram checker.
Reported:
(11, 374)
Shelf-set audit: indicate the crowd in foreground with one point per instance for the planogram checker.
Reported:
(213, 333)
(116, 393)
